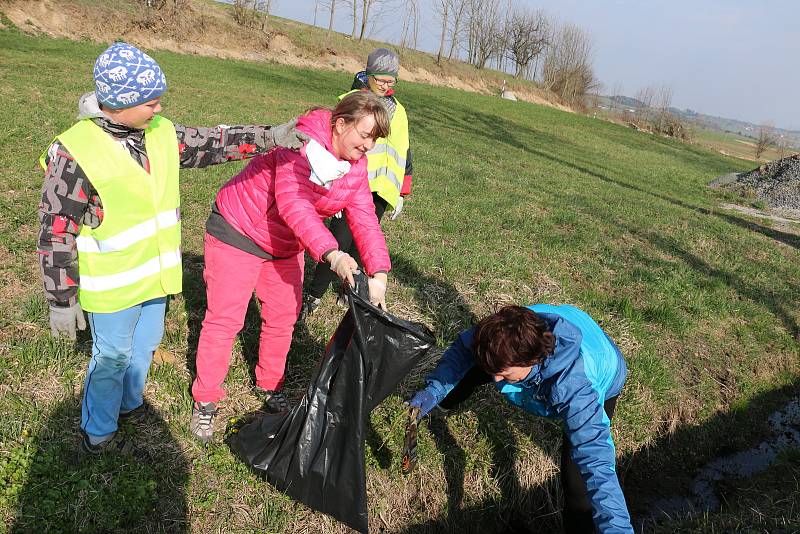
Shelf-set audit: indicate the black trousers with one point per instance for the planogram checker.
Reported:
(577, 513)
(323, 275)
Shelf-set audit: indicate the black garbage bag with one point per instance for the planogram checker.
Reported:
(315, 453)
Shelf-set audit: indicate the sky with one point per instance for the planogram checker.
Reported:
(732, 58)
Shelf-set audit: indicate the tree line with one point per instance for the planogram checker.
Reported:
(500, 34)
(519, 40)
(524, 42)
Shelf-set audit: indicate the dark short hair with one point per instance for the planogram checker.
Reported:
(512, 337)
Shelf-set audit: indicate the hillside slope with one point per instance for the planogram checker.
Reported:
(205, 27)
(513, 202)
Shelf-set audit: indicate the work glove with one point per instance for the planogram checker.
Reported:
(286, 135)
(377, 291)
(397, 209)
(425, 401)
(343, 265)
(64, 319)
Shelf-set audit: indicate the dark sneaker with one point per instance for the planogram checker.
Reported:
(274, 401)
(133, 415)
(439, 412)
(202, 424)
(310, 304)
(115, 443)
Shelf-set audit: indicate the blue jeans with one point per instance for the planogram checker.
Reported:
(124, 343)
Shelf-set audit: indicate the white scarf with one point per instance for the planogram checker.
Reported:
(325, 168)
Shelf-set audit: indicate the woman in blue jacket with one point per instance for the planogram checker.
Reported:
(556, 362)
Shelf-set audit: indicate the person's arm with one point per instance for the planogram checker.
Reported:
(406, 189)
(65, 199)
(452, 368)
(589, 431)
(454, 365)
(366, 230)
(201, 147)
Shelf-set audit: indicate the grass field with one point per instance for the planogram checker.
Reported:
(734, 145)
(512, 203)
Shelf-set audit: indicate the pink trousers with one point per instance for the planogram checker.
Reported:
(231, 275)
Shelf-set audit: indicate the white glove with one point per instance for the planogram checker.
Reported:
(63, 320)
(397, 209)
(377, 290)
(343, 265)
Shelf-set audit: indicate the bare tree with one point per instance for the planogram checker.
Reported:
(252, 13)
(242, 12)
(616, 91)
(662, 117)
(567, 67)
(443, 7)
(766, 138)
(355, 17)
(264, 7)
(409, 33)
(645, 95)
(485, 23)
(782, 145)
(331, 5)
(458, 10)
(528, 32)
(365, 5)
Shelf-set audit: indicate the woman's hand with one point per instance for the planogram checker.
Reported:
(377, 290)
(343, 265)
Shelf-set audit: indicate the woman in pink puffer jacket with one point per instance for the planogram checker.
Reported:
(262, 221)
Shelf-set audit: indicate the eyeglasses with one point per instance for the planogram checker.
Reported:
(384, 82)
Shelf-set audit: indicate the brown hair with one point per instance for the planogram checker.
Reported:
(512, 337)
(355, 106)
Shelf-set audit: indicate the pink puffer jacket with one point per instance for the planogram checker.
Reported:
(274, 203)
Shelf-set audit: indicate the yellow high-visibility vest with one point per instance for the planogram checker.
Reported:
(386, 161)
(135, 253)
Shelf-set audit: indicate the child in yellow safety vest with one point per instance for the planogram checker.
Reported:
(110, 241)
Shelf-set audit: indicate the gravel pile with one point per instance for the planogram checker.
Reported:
(777, 183)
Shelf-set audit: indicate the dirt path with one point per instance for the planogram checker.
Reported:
(788, 223)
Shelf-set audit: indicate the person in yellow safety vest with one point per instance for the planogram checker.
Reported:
(389, 165)
(110, 241)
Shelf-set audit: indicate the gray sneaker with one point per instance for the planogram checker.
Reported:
(202, 424)
(274, 401)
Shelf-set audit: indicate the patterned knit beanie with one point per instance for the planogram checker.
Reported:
(124, 77)
(382, 61)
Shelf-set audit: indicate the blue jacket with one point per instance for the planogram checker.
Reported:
(585, 369)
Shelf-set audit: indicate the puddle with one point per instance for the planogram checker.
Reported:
(785, 425)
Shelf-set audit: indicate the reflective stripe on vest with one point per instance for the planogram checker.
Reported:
(134, 255)
(386, 162)
(126, 238)
(132, 276)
